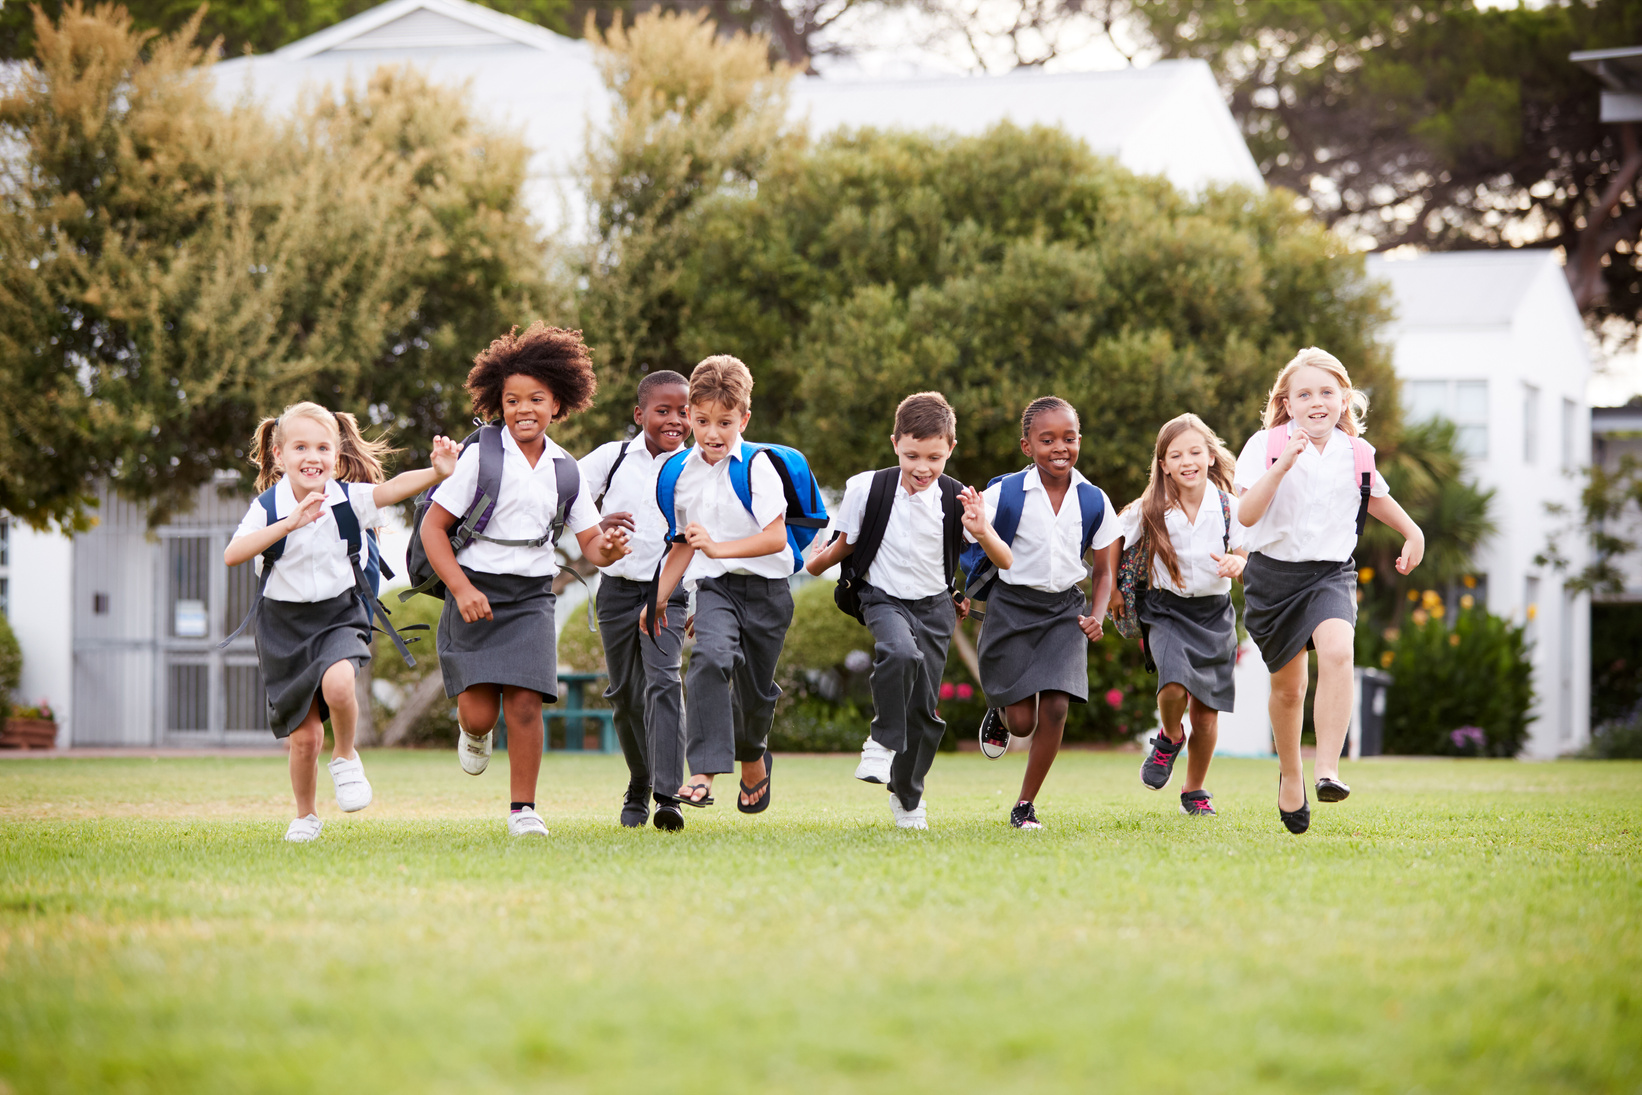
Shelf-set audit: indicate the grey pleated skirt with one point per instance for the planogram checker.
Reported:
(297, 641)
(517, 647)
(1031, 643)
(1193, 640)
(1284, 602)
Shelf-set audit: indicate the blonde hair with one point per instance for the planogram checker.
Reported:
(1160, 492)
(723, 380)
(357, 460)
(1356, 408)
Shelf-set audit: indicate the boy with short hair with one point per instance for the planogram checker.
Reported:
(900, 528)
(645, 692)
(737, 562)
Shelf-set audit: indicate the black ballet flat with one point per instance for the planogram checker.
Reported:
(1332, 790)
(1295, 821)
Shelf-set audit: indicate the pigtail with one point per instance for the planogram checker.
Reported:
(263, 441)
(359, 460)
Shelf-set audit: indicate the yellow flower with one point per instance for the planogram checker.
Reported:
(1533, 611)
(1454, 639)
(1469, 581)
(1468, 602)
(1438, 609)
(1420, 617)
(1365, 575)
(1430, 598)
(1413, 595)
(1391, 634)
(1386, 659)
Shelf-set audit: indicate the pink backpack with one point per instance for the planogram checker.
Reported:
(1362, 464)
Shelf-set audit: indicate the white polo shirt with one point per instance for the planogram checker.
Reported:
(1195, 545)
(315, 566)
(1313, 515)
(705, 496)
(529, 498)
(632, 490)
(1047, 549)
(910, 562)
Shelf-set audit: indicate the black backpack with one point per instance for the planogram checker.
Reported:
(472, 525)
(852, 570)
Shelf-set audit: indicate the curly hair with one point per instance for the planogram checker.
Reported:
(556, 357)
(723, 380)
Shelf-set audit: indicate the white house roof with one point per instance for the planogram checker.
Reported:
(1462, 288)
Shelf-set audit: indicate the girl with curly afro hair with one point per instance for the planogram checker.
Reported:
(496, 636)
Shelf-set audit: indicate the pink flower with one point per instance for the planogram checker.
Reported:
(965, 692)
(1115, 697)
(946, 690)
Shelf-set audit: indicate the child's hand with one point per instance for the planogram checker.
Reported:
(1291, 452)
(473, 605)
(444, 457)
(696, 536)
(308, 510)
(962, 605)
(617, 520)
(1227, 566)
(974, 518)
(613, 542)
(644, 615)
(1115, 607)
(1413, 552)
(690, 625)
(1091, 627)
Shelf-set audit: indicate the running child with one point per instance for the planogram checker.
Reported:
(312, 622)
(1192, 548)
(900, 528)
(737, 563)
(497, 642)
(1308, 485)
(1033, 649)
(645, 692)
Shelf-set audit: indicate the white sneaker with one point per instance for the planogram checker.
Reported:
(875, 762)
(907, 819)
(526, 822)
(473, 750)
(304, 829)
(353, 790)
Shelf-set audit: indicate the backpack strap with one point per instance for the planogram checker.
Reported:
(1006, 520)
(1276, 438)
(487, 488)
(667, 492)
(1362, 471)
(875, 520)
(610, 476)
(347, 527)
(1092, 508)
(952, 527)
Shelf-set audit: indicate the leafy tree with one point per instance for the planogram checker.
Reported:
(170, 270)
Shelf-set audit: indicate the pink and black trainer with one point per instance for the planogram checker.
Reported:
(1159, 763)
(1197, 804)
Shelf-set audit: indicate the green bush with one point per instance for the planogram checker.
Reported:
(1448, 682)
(437, 727)
(11, 663)
(1619, 739)
(812, 725)
(821, 637)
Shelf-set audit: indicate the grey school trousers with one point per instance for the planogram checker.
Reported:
(741, 623)
(645, 692)
(910, 640)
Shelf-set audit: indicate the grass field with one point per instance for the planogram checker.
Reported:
(1455, 926)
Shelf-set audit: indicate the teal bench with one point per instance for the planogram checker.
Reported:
(575, 714)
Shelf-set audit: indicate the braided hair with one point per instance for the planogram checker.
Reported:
(1040, 405)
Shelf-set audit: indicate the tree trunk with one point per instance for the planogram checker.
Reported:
(966, 653)
(1584, 269)
(428, 691)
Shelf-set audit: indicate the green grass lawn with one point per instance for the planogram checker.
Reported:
(1455, 926)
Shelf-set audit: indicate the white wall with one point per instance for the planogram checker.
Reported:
(40, 591)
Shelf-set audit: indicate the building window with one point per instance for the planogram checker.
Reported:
(1570, 435)
(1530, 424)
(1462, 402)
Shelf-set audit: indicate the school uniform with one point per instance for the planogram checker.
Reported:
(743, 610)
(1030, 640)
(907, 606)
(1300, 570)
(518, 646)
(646, 694)
(310, 616)
(1191, 628)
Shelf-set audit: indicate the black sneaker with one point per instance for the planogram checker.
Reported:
(1197, 804)
(1158, 766)
(994, 734)
(635, 808)
(1024, 817)
(669, 817)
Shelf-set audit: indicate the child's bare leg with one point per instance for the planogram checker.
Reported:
(1052, 708)
(1171, 704)
(305, 743)
(477, 708)
(340, 696)
(524, 740)
(1022, 717)
(1331, 708)
(1287, 709)
(1200, 749)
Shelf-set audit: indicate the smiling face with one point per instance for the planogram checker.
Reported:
(306, 452)
(1052, 443)
(923, 459)
(527, 407)
(1187, 460)
(717, 428)
(1315, 400)
(665, 417)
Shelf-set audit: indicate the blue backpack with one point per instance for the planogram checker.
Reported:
(980, 573)
(806, 512)
(367, 579)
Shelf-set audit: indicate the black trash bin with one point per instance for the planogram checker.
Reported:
(1369, 717)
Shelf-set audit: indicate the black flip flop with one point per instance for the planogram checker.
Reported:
(705, 800)
(762, 785)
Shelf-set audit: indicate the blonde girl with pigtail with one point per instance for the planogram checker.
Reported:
(1308, 485)
(1185, 527)
(320, 485)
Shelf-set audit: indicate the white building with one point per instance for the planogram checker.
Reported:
(1492, 341)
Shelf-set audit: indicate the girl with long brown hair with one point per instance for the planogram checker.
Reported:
(1193, 548)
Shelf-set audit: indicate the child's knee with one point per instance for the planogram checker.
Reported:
(1289, 687)
(1021, 718)
(1172, 692)
(1053, 707)
(338, 686)
(716, 656)
(306, 740)
(898, 656)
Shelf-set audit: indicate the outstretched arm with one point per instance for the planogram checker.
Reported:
(1386, 510)
(671, 571)
(831, 555)
(408, 484)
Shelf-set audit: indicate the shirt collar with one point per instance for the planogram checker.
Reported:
(1034, 481)
(510, 444)
(285, 494)
(737, 452)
